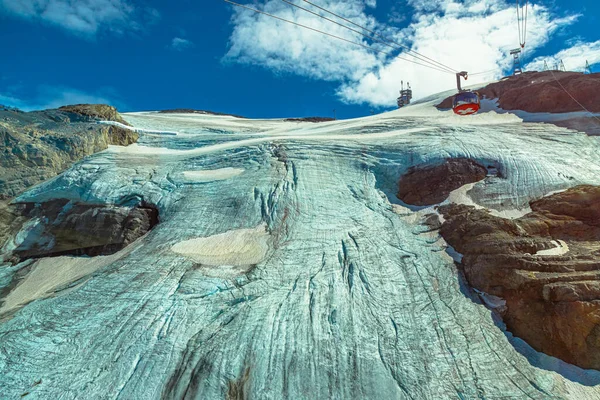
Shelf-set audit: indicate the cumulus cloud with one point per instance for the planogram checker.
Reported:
(574, 57)
(471, 35)
(180, 44)
(285, 48)
(84, 17)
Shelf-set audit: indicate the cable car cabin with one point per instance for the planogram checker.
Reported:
(465, 103)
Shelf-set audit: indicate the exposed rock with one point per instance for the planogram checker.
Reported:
(38, 145)
(589, 125)
(310, 119)
(95, 112)
(192, 111)
(542, 92)
(11, 220)
(428, 185)
(82, 229)
(552, 301)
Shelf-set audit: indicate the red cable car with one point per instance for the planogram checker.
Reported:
(465, 102)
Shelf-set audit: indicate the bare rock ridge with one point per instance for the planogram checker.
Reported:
(192, 111)
(64, 228)
(38, 145)
(546, 265)
(95, 112)
(425, 186)
(309, 119)
(542, 92)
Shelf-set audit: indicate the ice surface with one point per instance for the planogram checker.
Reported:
(302, 277)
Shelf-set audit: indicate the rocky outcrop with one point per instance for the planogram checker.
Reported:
(192, 111)
(310, 119)
(545, 265)
(36, 146)
(11, 221)
(428, 185)
(94, 112)
(548, 91)
(63, 228)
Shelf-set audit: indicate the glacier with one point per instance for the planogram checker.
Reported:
(284, 266)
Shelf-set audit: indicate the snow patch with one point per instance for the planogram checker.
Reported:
(226, 252)
(51, 274)
(211, 175)
(560, 248)
(493, 302)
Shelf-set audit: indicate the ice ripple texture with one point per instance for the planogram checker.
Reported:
(281, 267)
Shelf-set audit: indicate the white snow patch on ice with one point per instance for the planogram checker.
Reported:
(428, 109)
(491, 106)
(138, 130)
(560, 249)
(232, 249)
(54, 273)
(490, 300)
(461, 196)
(136, 149)
(211, 175)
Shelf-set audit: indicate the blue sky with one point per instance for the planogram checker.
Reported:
(207, 55)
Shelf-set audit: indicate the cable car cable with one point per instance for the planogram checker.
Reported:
(522, 22)
(574, 99)
(387, 43)
(377, 34)
(333, 36)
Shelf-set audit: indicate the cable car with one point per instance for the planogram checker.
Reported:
(465, 102)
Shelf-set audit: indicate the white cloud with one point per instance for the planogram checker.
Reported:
(285, 48)
(574, 57)
(84, 17)
(48, 96)
(180, 44)
(473, 35)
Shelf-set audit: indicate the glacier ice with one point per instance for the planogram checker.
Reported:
(327, 286)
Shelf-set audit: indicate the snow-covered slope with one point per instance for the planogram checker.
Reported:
(284, 266)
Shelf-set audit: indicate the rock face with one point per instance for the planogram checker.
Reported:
(63, 228)
(310, 119)
(542, 92)
(192, 111)
(546, 265)
(425, 186)
(35, 146)
(94, 112)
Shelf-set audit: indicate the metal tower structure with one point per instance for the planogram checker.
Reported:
(405, 95)
(516, 61)
(561, 66)
(588, 68)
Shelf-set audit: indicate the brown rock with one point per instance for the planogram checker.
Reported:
(38, 145)
(192, 111)
(552, 301)
(84, 229)
(428, 185)
(548, 91)
(102, 112)
(310, 119)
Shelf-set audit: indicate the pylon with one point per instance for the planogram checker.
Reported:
(588, 68)
(516, 61)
